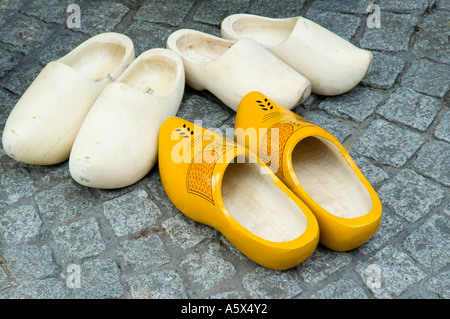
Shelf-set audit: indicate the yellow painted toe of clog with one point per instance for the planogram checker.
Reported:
(219, 183)
(315, 166)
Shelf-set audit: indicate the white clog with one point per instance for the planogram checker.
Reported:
(118, 141)
(231, 69)
(43, 124)
(332, 64)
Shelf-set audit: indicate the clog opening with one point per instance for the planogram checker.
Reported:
(327, 177)
(97, 60)
(264, 31)
(201, 48)
(155, 75)
(258, 204)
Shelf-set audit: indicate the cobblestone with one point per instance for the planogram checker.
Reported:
(411, 108)
(410, 195)
(134, 243)
(428, 77)
(388, 144)
(393, 36)
(29, 262)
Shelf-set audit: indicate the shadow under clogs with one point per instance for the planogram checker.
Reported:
(217, 182)
(315, 166)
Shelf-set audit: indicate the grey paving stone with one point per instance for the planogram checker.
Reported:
(163, 284)
(24, 33)
(99, 279)
(29, 262)
(143, 253)
(64, 201)
(208, 113)
(48, 176)
(358, 104)
(389, 273)
(393, 35)
(374, 174)
(443, 4)
(101, 16)
(131, 213)
(264, 283)
(411, 108)
(428, 77)
(214, 12)
(388, 144)
(389, 227)
(77, 240)
(19, 225)
(344, 25)
(429, 244)
(186, 233)
(206, 269)
(349, 6)
(157, 192)
(4, 281)
(405, 6)
(410, 195)
(18, 80)
(12, 5)
(433, 161)
(447, 209)
(440, 285)
(8, 60)
(432, 39)
(341, 289)
(278, 9)
(442, 130)
(321, 264)
(147, 35)
(170, 12)
(41, 289)
(15, 184)
(49, 10)
(7, 102)
(384, 70)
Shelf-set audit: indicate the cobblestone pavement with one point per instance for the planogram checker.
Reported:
(133, 243)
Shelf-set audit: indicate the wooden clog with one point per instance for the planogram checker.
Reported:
(217, 182)
(230, 69)
(332, 64)
(117, 144)
(315, 166)
(43, 124)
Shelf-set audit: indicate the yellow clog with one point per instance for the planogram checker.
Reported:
(219, 183)
(315, 166)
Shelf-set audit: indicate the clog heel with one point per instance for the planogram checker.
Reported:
(315, 166)
(42, 126)
(217, 182)
(332, 64)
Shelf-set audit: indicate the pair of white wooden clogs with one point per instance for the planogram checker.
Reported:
(101, 107)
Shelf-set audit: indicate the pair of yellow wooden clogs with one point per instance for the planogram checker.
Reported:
(282, 185)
